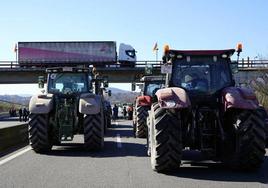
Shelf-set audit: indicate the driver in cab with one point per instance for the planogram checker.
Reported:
(193, 82)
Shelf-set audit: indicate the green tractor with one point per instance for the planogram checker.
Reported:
(201, 109)
(100, 88)
(67, 107)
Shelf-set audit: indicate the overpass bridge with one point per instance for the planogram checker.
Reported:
(13, 73)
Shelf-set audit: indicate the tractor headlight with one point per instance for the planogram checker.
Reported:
(170, 104)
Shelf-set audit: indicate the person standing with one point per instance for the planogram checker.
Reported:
(20, 114)
(115, 112)
(130, 112)
(25, 114)
(124, 112)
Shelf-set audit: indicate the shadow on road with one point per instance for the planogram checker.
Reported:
(110, 150)
(194, 166)
(218, 172)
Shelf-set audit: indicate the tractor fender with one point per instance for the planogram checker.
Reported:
(90, 103)
(41, 104)
(239, 98)
(144, 100)
(173, 97)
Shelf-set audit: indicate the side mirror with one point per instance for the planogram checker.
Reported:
(105, 83)
(109, 93)
(133, 86)
(148, 69)
(166, 69)
(234, 67)
(41, 82)
(141, 87)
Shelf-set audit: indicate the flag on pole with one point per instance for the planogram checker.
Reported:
(155, 48)
(16, 48)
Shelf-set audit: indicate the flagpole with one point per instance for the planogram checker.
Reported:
(16, 51)
(156, 55)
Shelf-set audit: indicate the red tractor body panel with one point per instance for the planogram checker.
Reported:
(144, 100)
(173, 95)
(240, 98)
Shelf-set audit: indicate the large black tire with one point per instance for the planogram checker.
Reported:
(244, 147)
(165, 139)
(141, 126)
(134, 121)
(105, 122)
(39, 133)
(148, 136)
(94, 132)
(108, 116)
(264, 115)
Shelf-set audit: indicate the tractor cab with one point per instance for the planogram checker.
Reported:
(151, 84)
(68, 81)
(203, 74)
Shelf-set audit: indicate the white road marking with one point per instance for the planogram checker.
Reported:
(118, 140)
(15, 155)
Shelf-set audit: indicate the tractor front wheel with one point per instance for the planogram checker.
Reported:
(39, 134)
(94, 132)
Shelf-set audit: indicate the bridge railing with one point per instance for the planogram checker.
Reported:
(244, 64)
(253, 63)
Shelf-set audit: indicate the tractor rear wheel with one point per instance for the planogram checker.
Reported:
(165, 139)
(148, 136)
(94, 131)
(39, 134)
(141, 126)
(245, 143)
(108, 116)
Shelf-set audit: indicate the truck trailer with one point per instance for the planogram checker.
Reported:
(97, 53)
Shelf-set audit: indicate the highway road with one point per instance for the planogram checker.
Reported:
(122, 163)
(10, 122)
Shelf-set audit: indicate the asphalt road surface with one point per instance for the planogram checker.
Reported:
(122, 163)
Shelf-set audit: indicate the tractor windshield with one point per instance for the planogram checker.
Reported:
(68, 83)
(151, 88)
(201, 77)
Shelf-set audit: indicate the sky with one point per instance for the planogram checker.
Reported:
(183, 24)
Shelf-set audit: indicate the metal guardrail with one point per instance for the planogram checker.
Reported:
(244, 64)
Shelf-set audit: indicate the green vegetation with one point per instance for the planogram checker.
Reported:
(6, 106)
(260, 85)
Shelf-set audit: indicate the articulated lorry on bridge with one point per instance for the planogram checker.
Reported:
(201, 109)
(98, 53)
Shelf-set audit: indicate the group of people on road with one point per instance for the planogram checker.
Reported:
(12, 112)
(127, 112)
(23, 114)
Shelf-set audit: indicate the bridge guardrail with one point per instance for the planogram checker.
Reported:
(243, 64)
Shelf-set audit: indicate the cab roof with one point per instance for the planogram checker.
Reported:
(228, 52)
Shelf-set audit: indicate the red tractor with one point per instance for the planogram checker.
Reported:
(201, 109)
(143, 103)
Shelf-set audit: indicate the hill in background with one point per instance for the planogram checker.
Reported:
(122, 96)
(118, 96)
